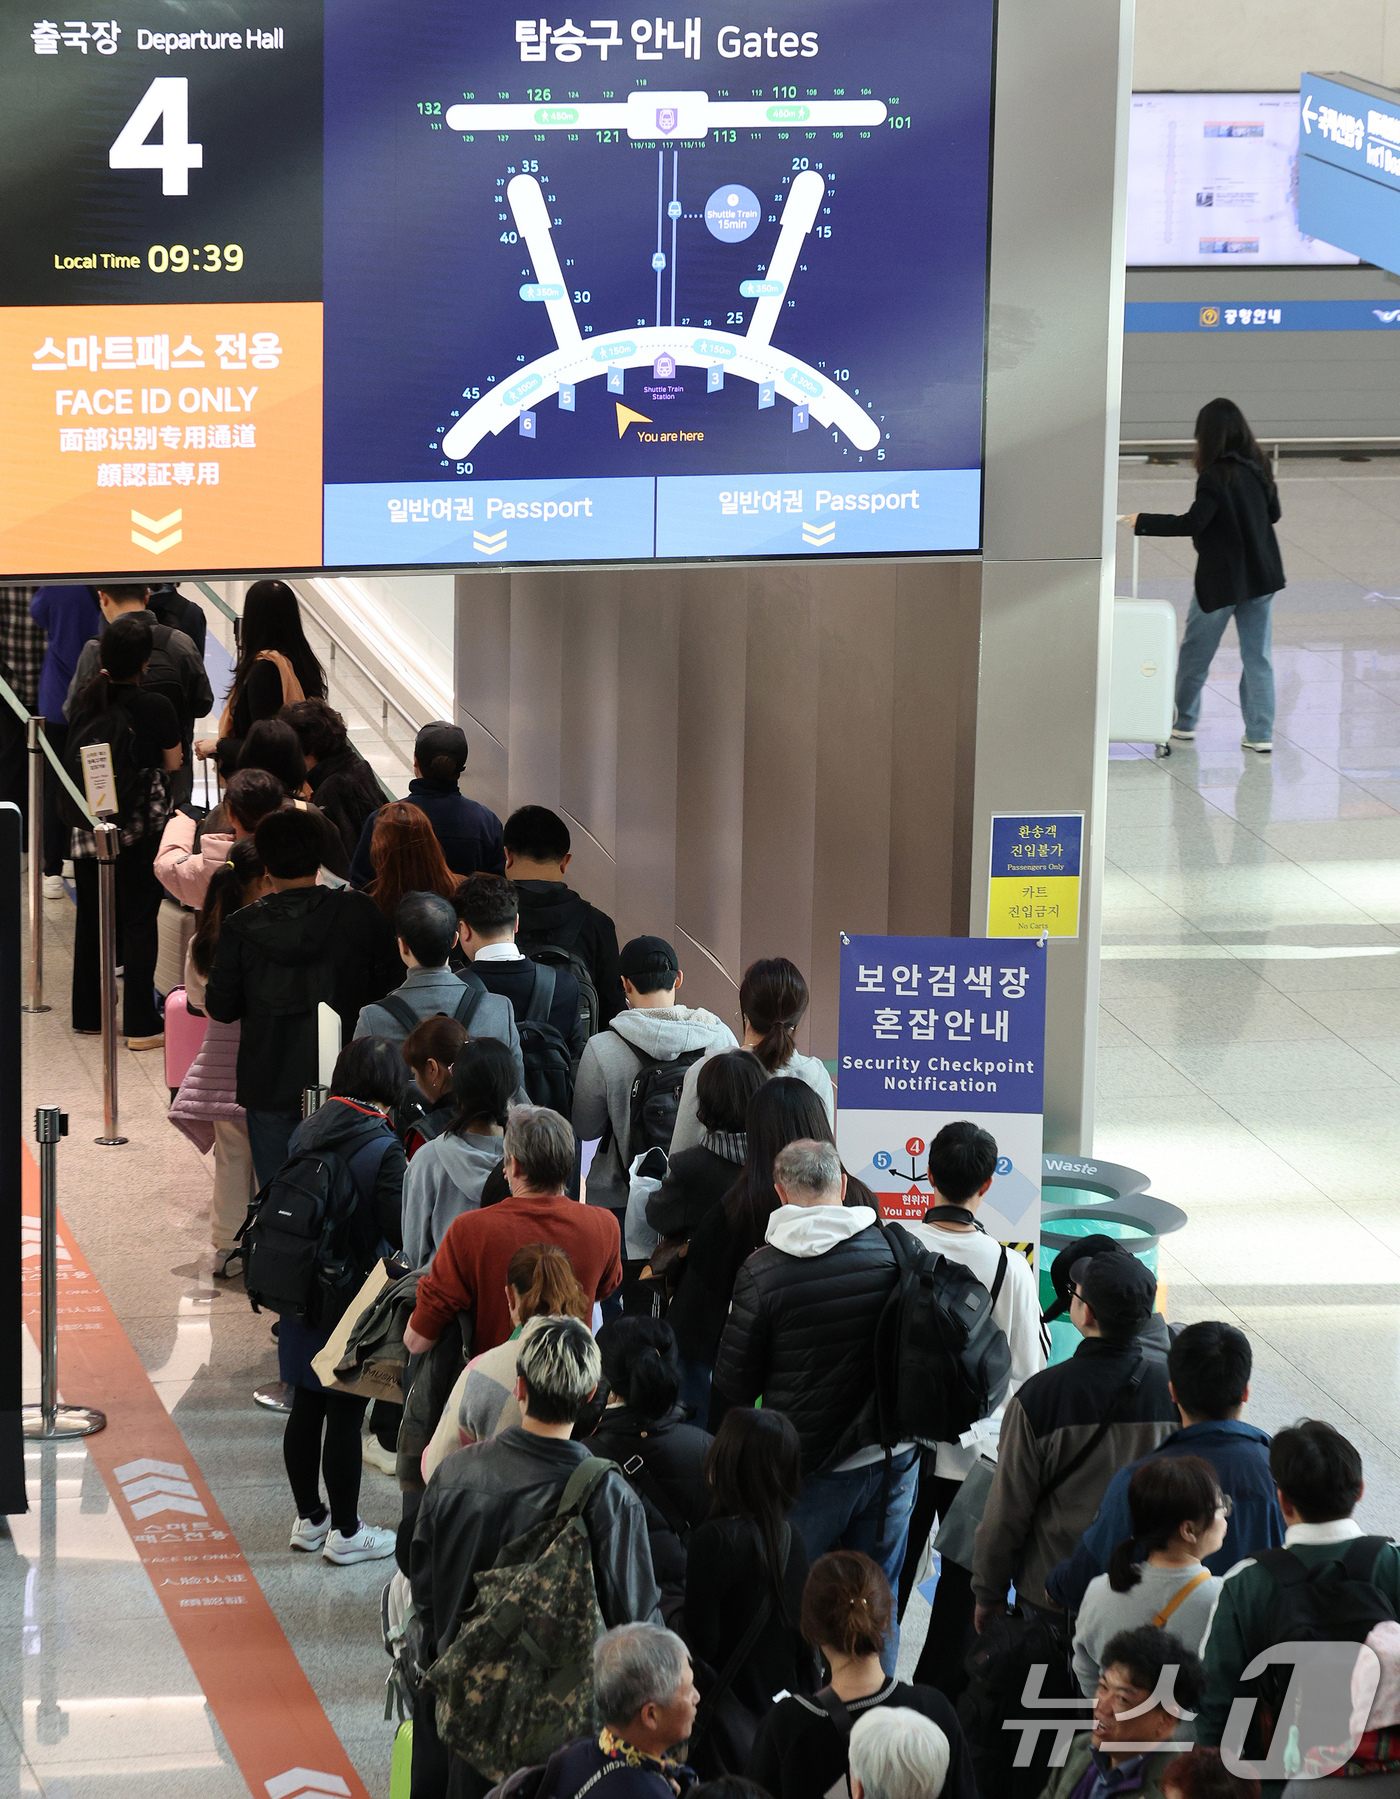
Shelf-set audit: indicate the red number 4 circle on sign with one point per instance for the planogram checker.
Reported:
(915, 1146)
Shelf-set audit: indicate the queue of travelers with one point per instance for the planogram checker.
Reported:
(674, 1461)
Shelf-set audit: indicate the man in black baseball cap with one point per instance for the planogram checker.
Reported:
(1113, 1289)
(652, 1030)
(1068, 1429)
(470, 834)
(648, 966)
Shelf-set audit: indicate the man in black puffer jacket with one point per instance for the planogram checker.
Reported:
(801, 1332)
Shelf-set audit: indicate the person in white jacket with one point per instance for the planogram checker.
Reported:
(773, 1001)
(653, 1026)
(961, 1162)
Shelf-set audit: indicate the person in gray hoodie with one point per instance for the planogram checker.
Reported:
(426, 925)
(446, 1176)
(653, 1028)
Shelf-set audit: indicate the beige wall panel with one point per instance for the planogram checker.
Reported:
(857, 676)
(482, 663)
(712, 637)
(588, 745)
(647, 760)
(750, 760)
(535, 691)
(780, 770)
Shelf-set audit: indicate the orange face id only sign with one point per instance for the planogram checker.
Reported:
(144, 438)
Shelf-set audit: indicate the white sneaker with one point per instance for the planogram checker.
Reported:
(1183, 736)
(225, 1260)
(1262, 749)
(54, 888)
(367, 1545)
(375, 1455)
(308, 1536)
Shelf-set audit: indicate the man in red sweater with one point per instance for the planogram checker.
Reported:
(468, 1272)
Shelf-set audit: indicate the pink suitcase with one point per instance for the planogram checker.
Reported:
(184, 1032)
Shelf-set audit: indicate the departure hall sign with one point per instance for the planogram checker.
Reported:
(291, 285)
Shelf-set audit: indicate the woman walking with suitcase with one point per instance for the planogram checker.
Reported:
(1238, 569)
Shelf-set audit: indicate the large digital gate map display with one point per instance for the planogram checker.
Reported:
(362, 286)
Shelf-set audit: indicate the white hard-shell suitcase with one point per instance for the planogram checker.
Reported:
(1141, 693)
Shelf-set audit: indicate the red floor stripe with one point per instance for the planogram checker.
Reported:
(266, 1707)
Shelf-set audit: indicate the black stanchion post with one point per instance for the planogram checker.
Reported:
(108, 843)
(36, 867)
(49, 1421)
(12, 1485)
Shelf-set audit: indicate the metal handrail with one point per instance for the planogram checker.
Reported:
(386, 697)
(340, 644)
(1266, 437)
(214, 600)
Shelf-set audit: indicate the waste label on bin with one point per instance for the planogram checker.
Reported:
(934, 1029)
(1034, 884)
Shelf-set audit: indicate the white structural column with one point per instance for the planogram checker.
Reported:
(1063, 87)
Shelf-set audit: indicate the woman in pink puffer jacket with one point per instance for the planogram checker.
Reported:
(206, 1108)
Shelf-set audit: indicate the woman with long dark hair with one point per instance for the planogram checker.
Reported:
(1180, 1516)
(406, 857)
(1238, 569)
(773, 1001)
(781, 1112)
(746, 1551)
(276, 667)
(206, 1108)
(644, 1429)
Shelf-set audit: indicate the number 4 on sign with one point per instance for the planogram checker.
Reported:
(165, 102)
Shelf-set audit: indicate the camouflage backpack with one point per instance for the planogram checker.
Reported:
(517, 1680)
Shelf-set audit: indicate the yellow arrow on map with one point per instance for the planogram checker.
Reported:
(626, 417)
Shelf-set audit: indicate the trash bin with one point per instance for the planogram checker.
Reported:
(1083, 1197)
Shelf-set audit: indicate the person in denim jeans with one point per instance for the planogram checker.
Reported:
(1238, 569)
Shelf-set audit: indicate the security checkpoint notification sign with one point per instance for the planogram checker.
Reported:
(935, 1029)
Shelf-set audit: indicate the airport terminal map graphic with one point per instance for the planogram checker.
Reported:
(699, 284)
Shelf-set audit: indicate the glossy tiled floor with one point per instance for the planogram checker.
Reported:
(1250, 1060)
(1250, 1030)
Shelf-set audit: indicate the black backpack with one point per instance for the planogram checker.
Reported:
(565, 955)
(300, 1257)
(1334, 1602)
(941, 1360)
(112, 726)
(656, 1100)
(549, 1073)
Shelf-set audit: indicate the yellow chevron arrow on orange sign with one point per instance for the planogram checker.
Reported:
(626, 417)
(157, 524)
